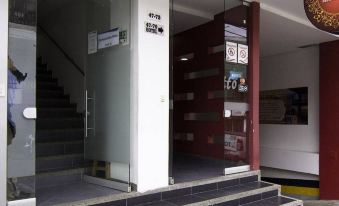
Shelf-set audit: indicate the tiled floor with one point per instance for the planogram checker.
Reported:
(321, 203)
(71, 193)
(187, 168)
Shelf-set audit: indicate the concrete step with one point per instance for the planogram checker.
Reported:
(62, 177)
(59, 148)
(58, 112)
(59, 135)
(60, 123)
(60, 162)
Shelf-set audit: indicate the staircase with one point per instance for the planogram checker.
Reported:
(243, 189)
(59, 135)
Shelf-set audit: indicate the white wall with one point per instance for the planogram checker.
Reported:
(150, 84)
(67, 25)
(296, 147)
(3, 99)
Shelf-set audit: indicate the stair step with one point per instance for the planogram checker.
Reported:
(59, 148)
(50, 94)
(60, 162)
(276, 201)
(47, 86)
(44, 78)
(58, 113)
(54, 103)
(55, 135)
(43, 71)
(61, 123)
(62, 177)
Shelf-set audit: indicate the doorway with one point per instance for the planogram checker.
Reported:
(72, 142)
(209, 89)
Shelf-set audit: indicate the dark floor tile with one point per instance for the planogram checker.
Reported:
(253, 178)
(228, 183)
(236, 189)
(249, 199)
(144, 199)
(160, 203)
(229, 203)
(262, 203)
(176, 193)
(115, 203)
(185, 200)
(269, 194)
(204, 188)
(257, 185)
(280, 200)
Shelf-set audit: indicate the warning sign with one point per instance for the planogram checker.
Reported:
(242, 54)
(231, 52)
(154, 28)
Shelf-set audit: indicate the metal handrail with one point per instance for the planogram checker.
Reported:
(62, 51)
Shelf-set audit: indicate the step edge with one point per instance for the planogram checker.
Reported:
(296, 202)
(234, 196)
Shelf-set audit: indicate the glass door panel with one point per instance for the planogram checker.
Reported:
(108, 91)
(236, 102)
(21, 102)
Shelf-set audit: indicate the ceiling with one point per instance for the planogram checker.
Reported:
(284, 24)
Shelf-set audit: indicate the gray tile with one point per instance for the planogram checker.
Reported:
(270, 194)
(176, 193)
(185, 200)
(229, 203)
(204, 188)
(249, 199)
(262, 203)
(253, 178)
(144, 199)
(228, 183)
(280, 200)
(257, 185)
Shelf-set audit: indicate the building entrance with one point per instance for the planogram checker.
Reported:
(211, 104)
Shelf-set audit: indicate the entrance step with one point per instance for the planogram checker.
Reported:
(62, 177)
(60, 123)
(243, 189)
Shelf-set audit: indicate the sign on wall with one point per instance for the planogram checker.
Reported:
(108, 39)
(242, 54)
(324, 14)
(154, 28)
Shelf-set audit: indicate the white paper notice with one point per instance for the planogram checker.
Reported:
(92, 42)
(108, 39)
(231, 52)
(242, 54)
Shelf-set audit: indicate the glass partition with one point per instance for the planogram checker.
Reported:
(107, 122)
(236, 87)
(21, 101)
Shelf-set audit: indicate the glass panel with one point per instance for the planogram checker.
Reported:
(21, 95)
(236, 104)
(108, 87)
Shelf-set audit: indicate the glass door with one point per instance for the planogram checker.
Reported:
(107, 121)
(236, 88)
(21, 103)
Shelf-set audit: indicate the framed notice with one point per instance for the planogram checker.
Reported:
(242, 54)
(108, 39)
(284, 106)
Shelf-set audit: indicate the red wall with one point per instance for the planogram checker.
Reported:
(329, 120)
(198, 41)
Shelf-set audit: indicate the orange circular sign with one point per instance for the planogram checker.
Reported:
(324, 14)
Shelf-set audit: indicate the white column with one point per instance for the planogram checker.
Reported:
(3, 98)
(150, 99)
